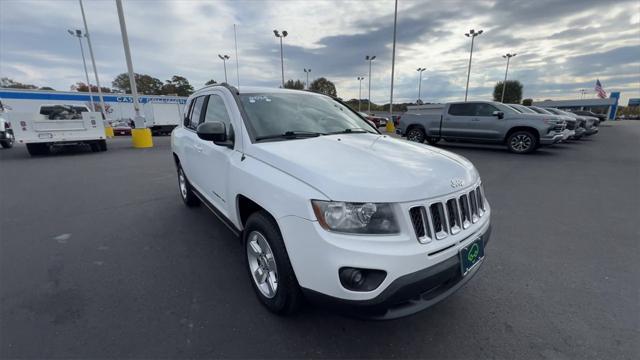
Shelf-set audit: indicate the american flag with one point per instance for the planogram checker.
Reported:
(601, 93)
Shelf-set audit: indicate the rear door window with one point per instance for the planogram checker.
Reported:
(466, 109)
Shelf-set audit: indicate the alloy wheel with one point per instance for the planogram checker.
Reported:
(182, 182)
(521, 143)
(262, 264)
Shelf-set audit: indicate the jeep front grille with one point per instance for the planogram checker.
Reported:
(439, 219)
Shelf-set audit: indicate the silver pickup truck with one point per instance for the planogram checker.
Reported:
(482, 122)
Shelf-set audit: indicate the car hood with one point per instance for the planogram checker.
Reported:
(368, 167)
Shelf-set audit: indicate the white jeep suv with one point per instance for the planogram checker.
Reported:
(326, 206)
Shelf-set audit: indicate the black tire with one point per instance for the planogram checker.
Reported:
(94, 146)
(186, 194)
(102, 144)
(8, 142)
(433, 140)
(416, 134)
(38, 149)
(522, 142)
(288, 297)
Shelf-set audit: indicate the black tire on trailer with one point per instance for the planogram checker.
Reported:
(94, 146)
(102, 144)
(38, 149)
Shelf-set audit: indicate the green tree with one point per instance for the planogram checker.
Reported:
(5, 82)
(46, 88)
(297, 85)
(82, 87)
(178, 85)
(512, 94)
(210, 82)
(527, 102)
(146, 84)
(323, 86)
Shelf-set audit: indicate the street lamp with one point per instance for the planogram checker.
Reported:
(472, 34)
(78, 33)
(283, 35)
(360, 78)
(582, 92)
(420, 70)
(504, 84)
(307, 71)
(370, 59)
(224, 59)
(93, 61)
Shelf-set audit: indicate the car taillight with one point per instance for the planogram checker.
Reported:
(396, 121)
(7, 125)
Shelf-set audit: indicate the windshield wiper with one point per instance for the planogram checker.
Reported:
(291, 135)
(350, 131)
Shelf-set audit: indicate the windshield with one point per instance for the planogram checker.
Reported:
(541, 111)
(523, 109)
(506, 108)
(273, 114)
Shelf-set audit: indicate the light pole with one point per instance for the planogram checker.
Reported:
(582, 92)
(307, 71)
(79, 35)
(281, 36)
(224, 59)
(93, 62)
(369, 59)
(420, 70)
(360, 78)
(141, 135)
(472, 34)
(504, 84)
(393, 62)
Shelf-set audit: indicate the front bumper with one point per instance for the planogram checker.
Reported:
(551, 138)
(566, 134)
(417, 275)
(408, 294)
(592, 131)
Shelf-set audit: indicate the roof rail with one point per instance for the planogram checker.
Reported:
(230, 87)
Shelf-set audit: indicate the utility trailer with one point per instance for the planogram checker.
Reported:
(40, 133)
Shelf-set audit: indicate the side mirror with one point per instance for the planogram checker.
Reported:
(214, 131)
(499, 114)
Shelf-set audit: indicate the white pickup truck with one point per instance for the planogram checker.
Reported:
(39, 132)
(326, 206)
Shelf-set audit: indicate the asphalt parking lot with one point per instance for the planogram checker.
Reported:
(99, 258)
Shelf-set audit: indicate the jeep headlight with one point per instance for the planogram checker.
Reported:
(356, 218)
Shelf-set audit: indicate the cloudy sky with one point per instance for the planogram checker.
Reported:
(562, 45)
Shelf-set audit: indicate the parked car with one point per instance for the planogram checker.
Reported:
(589, 123)
(601, 117)
(568, 133)
(291, 172)
(6, 132)
(483, 122)
(378, 121)
(580, 130)
(121, 128)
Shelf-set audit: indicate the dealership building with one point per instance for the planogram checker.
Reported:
(607, 106)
